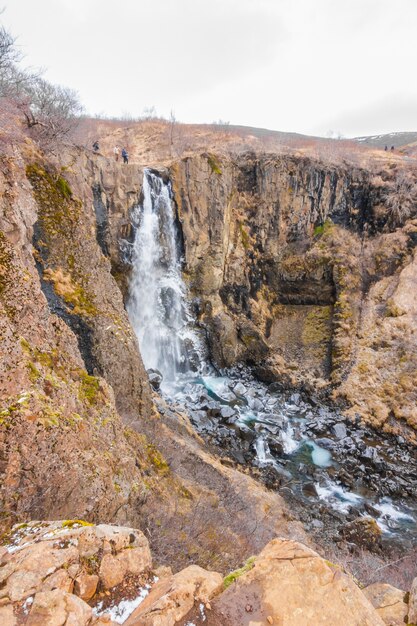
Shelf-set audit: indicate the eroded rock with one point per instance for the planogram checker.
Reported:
(389, 603)
(293, 585)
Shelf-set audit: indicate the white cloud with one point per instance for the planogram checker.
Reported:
(285, 64)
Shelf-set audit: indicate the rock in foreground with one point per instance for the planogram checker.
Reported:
(71, 573)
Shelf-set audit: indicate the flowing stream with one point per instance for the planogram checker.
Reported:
(319, 456)
(157, 306)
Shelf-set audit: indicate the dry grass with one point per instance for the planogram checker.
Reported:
(158, 141)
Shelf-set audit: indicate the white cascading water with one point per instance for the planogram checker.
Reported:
(157, 304)
(159, 312)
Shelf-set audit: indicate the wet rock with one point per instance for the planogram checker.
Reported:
(339, 430)
(213, 409)
(155, 378)
(309, 489)
(326, 443)
(227, 411)
(245, 433)
(276, 447)
(255, 404)
(239, 389)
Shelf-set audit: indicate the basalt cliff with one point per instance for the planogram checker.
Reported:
(299, 270)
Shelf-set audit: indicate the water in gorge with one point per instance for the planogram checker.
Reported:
(301, 448)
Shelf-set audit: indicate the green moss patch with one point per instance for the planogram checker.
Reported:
(323, 228)
(233, 576)
(317, 325)
(6, 263)
(71, 523)
(214, 164)
(89, 388)
(157, 460)
(244, 236)
(71, 292)
(59, 211)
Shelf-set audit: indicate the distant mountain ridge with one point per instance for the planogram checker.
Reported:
(389, 139)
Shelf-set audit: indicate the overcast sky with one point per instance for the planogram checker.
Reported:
(308, 66)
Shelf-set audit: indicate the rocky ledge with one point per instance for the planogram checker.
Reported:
(72, 573)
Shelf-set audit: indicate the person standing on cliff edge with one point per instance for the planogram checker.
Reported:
(116, 152)
(125, 156)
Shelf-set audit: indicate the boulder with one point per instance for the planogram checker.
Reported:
(112, 571)
(364, 532)
(339, 430)
(54, 608)
(155, 378)
(239, 389)
(227, 411)
(291, 584)
(85, 586)
(172, 598)
(389, 603)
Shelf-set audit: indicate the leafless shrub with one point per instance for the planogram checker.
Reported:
(368, 568)
(402, 198)
(49, 111)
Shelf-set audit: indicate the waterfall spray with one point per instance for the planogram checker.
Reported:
(157, 306)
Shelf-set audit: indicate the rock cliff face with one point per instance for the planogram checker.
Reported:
(80, 435)
(295, 267)
(62, 444)
(297, 270)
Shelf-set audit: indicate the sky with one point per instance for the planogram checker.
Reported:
(310, 66)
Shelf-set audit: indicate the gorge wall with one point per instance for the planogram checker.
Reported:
(80, 434)
(298, 270)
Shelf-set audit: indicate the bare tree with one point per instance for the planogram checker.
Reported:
(51, 108)
(50, 111)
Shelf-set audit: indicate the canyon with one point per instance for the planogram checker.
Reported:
(238, 368)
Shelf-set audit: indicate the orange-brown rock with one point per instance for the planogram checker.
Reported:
(85, 586)
(290, 584)
(389, 603)
(172, 598)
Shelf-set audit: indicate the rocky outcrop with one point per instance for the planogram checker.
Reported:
(62, 443)
(290, 584)
(49, 570)
(46, 566)
(80, 436)
(389, 603)
(297, 270)
(77, 281)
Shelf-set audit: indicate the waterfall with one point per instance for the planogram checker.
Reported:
(157, 304)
